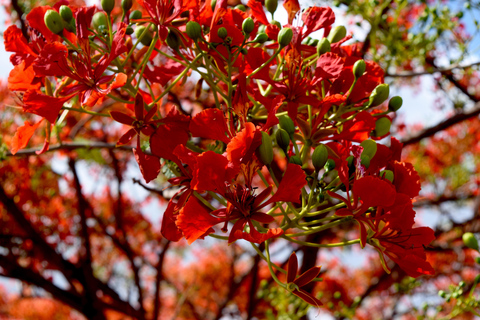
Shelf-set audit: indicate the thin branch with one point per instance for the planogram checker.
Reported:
(72, 146)
(431, 71)
(161, 259)
(20, 13)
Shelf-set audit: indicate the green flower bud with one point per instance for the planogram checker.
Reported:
(314, 42)
(276, 23)
(359, 68)
(99, 19)
(126, 5)
(136, 14)
(295, 160)
(261, 38)
(271, 5)
(337, 34)
(379, 94)
(337, 295)
(442, 293)
(323, 46)
(365, 161)
(319, 157)
(330, 165)
(213, 4)
(387, 175)
(477, 260)
(265, 150)
(285, 37)
(129, 30)
(194, 30)
(283, 139)
(395, 103)
(350, 161)
(241, 7)
(70, 26)
(382, 127)
(369, 148)
(222, 33)
(248, 25)
(66, 13)
(107, 5)
(286, 123)
(470, 241)
(147, 37)
(173, 41)
(262, 28)
(53, 21)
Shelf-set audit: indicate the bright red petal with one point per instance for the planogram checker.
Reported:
(22, 136)
(43, 105)
(290, 187)
(169, 229)
(149, 165)
(195, 221)
(210, 124)
(374, 192)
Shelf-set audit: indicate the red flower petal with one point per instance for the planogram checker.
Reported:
(149, 165)
(195, 221)
(43, 105)
(22, 136)
(374, 192)
(406, 179)
(291, 185)
(210, 124)
(21, 78)
(242, 147)
(292, 267)
(315, 18)
(169, 229)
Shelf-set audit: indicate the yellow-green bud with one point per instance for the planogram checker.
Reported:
(323, 46)
(194, 30)
(337, 34)
(261, 38)
(213, 4)
(365, 160)
(382, 127)
(241, 7)
(136, 14)
(388, 175)
(276, 23)
(107, 5)
(477, 260)
(285, 37)
(99, 19)
(359, 68)
(319, 157)
(265, 150)
(66, 13)
(129, 30)
(173, 40)
(295, 160)
(53, 21)
(470, 240)
(271, 5)
(286, 123)
(379, 94)
(222, 33)
(70, 26)
(330, 165)
(126, 5)
(369, 148)
(395, 103)
(248, 25)
(283, 139)
(144, 34)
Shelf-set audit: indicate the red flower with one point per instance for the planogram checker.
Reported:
(295, 284)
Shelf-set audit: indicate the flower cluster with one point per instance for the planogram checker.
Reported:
(317, 99)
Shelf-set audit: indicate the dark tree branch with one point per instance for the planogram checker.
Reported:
(20, 13)
(432, 71)
(72, 146)
(157, 304)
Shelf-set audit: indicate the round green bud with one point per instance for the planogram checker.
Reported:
(248, 25)
(319, 157)
(285, 37)
(135, 14)
(462, 284)
(126, 5)
(194, 30)
(387, 175)
(271, 5)
(99, 19)
(283, 139)
(470, 240)
(337, 34)
(442, 293)
(276, 23)
(107, 5)
(477, 260)
(395, 103)
(66, 13)
(295, 160)
(330, 165)
(70, 26)
(337, 295)
(261, 38)
(379, 94)
(173, 41)
(53, 21)
(369, 148)
(359, 68)
(265, 150)
(241, 7)
(477, 278)
(144, 34)
(323, 46)
(350, 161)
(244, 51)
(314, 42)
(213, 4)
(365, 161)
(222, 33)
(262, 28)
(129, 30)
(382, 126)
(286, 123)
